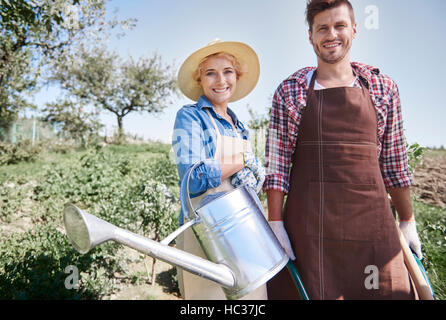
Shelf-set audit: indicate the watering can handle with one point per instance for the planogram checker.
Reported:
(186, 203)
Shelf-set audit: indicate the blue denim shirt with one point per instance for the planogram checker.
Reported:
(194, 139)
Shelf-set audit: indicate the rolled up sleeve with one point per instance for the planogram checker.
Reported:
(393, 159)
(189, 148)
(278, 148)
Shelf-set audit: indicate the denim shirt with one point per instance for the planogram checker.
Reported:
(194, 139)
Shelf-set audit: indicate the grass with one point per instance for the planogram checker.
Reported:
(431, 225)
(33, 169)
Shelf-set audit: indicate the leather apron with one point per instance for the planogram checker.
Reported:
(193, 287)
(337, 213)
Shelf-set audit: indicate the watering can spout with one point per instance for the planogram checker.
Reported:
(86, 231)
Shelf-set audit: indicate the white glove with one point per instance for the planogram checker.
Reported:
(281, 235)
(409, 231)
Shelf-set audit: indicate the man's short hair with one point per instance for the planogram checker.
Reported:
(317, 6)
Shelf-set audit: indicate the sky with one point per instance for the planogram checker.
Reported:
(404, 39)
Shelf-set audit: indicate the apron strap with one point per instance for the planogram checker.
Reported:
(213, 121)
(217, 132)
(216, 128)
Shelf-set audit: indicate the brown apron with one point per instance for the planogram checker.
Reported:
(337, 213)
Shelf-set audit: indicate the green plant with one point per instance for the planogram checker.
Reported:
(164, 170)
(33, 267)
(414, 155)
(431, 224)
(24, 151)
(106, 183)
(157, 207)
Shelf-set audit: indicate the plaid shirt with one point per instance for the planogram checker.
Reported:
(287, 108)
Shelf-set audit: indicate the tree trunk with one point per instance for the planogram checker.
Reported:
(120, 130)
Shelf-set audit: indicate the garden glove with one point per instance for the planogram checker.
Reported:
(281, 235)
(409, 231)
(254, 164)
(246, 177)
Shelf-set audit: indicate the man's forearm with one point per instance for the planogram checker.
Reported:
(402, 202)
(275, 204)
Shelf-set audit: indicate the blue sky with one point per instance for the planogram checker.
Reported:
(408, 45)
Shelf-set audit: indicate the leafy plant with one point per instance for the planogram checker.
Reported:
(24, 150)
(157, 207)
(431, 224)
(33, 267)
(414, 155)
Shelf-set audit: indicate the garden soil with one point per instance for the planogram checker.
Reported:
(430, 180)
(140, 287)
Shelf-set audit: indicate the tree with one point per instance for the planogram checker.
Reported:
(34, 33)
(259, 125)
(103, 79)
(80, 125)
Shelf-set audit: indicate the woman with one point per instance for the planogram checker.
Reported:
(209, 131)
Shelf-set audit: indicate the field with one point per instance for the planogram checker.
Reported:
(134, 187)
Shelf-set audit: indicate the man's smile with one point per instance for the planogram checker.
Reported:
(331, 45)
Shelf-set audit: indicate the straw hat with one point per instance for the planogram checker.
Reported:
(246, 56)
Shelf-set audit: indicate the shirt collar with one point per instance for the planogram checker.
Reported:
(203, 102)
(364, 71)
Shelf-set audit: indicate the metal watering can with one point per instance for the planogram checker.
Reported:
(242, 249)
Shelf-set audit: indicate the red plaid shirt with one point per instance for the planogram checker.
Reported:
(287, 105)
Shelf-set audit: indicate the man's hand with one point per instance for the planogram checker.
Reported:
(409, 231)
(282, 236)
(400, 199)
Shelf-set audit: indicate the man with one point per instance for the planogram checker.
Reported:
(335, 146)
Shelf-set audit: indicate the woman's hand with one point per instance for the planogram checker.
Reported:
(257, 168)
(246, 177)
(253, 163)
(252, 173)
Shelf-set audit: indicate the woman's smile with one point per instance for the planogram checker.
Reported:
(218, 80)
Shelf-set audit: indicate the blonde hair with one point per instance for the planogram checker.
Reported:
(235, 63)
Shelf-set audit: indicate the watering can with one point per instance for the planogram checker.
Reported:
(242, 250)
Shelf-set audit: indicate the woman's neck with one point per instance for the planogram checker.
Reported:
(221, 110)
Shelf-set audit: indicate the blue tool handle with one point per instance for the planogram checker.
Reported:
(297, 280)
